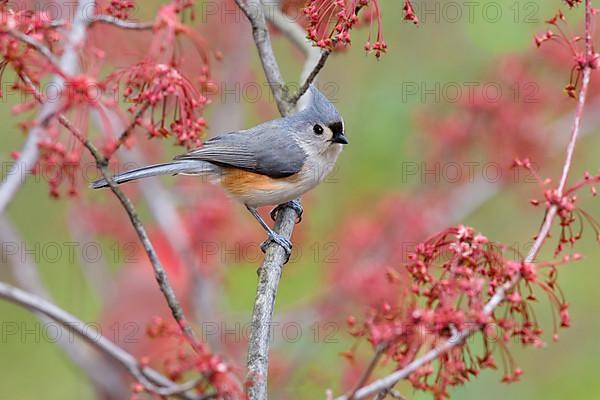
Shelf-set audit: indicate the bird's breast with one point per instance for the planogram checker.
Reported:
(258, 190)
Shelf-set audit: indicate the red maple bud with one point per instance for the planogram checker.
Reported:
(351, 320)
(121, 9)
(386, 308)
(137, 387)
(330, 22)
(409, 12)
(577, 49)
(349, 355)
(514, 297)
(573, 3)
(565, 320)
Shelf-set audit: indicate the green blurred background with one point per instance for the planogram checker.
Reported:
(382, 136)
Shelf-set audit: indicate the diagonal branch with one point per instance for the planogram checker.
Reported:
(389, 381)
(123, 24)
(312, 75)
(162, 206)
(159, 271)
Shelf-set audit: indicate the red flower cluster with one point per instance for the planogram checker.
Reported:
(454, 274)
(121, 9)
(219, 376)
(330, 22)
(36, 25)
(572, 218)
(163, 90)
(31, 45)
(58, 165)
(573, 3)
(571, 42)
(409, 12)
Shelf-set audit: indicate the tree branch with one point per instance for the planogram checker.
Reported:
(369, 370)
(159, 272)
(262, 315)
(162, 206)
(389, 381)
(311, 76)
(123, 24)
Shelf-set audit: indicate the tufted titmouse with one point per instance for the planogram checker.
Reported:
(269, 164)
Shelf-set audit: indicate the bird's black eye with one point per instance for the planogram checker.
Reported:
(318, 129)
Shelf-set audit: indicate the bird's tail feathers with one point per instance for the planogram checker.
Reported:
(192, 167)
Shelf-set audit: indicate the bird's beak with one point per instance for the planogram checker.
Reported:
(339, 138)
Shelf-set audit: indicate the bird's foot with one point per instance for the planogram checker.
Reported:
(294, 205)
(281, 241)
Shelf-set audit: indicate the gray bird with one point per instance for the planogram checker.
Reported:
(273, 163)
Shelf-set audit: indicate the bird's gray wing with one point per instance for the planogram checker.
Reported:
(266, 149)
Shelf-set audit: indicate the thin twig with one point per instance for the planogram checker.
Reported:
(311, 76)
(369, 370)
(126, 132)
(108, 20)
(124, 24)
(159, 271)
(162, 206)
(390, 380)
(315, 57)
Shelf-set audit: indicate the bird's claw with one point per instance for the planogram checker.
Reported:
(285, 244)
(294, 205)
